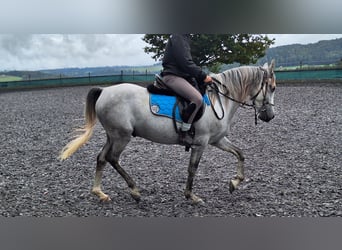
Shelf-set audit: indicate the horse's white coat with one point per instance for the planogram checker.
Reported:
(124, 110)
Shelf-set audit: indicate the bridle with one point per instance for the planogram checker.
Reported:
(264, 82)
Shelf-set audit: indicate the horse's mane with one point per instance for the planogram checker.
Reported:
(240, 81)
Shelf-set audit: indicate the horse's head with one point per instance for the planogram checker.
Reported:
(263, 99)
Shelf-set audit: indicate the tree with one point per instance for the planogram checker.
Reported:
(214, 50)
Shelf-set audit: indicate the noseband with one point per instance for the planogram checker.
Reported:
(244, 104)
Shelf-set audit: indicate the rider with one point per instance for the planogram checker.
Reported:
(178, 71)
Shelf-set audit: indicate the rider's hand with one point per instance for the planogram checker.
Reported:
(208, 79)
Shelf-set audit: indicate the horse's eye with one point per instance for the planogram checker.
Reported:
(272, 88)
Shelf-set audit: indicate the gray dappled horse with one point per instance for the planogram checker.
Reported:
(123, 110)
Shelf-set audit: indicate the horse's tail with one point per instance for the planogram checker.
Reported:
(87, 130)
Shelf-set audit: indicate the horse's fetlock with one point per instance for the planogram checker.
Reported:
(187, 194)
(135, 194)
(239, 177)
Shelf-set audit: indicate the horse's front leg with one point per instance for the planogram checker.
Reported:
(227, 146)
(196, 154)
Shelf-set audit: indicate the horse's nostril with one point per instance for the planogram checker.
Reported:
(270, 118)
(265, 117)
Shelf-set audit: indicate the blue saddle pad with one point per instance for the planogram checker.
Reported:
(163, 105)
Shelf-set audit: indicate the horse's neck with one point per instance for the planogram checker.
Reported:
(239, 83)
(230, 89)
(229, 108)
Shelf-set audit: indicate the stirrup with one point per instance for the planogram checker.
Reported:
(186, 138)
(185, 127)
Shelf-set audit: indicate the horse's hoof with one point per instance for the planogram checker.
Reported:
(231, 187)
(105, 198)
(195, 199)
(135, 194)
(198, 201)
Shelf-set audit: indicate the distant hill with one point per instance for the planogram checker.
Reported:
(79, 72)
(320, 53)
(108, 70)
(16, 75)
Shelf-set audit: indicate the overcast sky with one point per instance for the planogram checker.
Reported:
(34, 52)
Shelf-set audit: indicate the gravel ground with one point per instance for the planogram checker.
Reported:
(293, 164)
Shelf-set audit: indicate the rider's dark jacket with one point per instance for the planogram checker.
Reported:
(178, 61)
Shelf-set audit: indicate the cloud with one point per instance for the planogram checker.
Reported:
(29, 52)
(285, 39)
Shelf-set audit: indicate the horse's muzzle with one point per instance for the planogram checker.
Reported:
(266, 113)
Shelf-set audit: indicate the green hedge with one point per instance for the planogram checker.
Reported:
(309, 74)
(75, 81)
(335, 74)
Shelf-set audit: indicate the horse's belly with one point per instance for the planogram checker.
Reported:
(156, 129)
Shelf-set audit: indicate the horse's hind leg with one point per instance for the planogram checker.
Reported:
(101, 163)
(113, 156)
(227, 146)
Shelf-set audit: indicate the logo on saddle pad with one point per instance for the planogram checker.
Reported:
(163, 105)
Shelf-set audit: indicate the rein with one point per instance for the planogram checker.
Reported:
(242, 104)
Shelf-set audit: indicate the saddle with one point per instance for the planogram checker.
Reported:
(165, 102)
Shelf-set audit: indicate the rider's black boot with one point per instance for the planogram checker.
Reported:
(186, 135)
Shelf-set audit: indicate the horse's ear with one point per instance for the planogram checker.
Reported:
(272, 65)
(265, 66)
